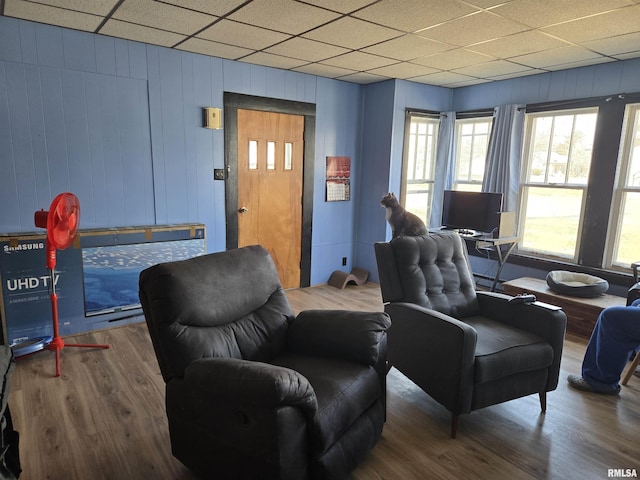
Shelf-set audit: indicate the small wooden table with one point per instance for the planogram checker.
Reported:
(582, 313)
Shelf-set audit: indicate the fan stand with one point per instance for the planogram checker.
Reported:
(60, 238)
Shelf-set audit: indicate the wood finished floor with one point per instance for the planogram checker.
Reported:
(104, 418)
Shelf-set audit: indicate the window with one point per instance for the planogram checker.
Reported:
(624, 227)
(472, 141)
(557, 159)
(419, 164)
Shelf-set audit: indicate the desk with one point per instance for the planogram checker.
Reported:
(582, 313)
(503, 248)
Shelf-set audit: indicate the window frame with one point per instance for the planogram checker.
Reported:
(432, 118)
(630, 132)
(525, 184)
(469, 183)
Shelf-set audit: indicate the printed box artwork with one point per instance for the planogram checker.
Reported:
(338, 179)
(96, 281)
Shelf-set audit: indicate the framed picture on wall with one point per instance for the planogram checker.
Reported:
(338, 179)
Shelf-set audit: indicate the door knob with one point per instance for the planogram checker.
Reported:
(243, 210)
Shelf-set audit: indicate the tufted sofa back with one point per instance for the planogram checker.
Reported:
(432, 271)
(215, 305)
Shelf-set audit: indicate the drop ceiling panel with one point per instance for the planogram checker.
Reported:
(368, 40)
(277, 61)
(52, 15)
(306, 49)
(618, 22)
(286, 16)
(352, 33)
(540, 13)
(324, 70)
(343, 6)
(472, 29)
(213, 49)
(408, 47)
(242, 35)
(140, 33)
(96, 7)
(555, 57)
(453, 59)
(413, 15)
(217, 7)
(518, 44)
(402, 70)
(162, 16)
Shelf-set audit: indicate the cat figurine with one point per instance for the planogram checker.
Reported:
(401, 221)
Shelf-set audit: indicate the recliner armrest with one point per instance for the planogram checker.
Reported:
(539, 318)
(348, 335)
(434, 349)
(251, 383)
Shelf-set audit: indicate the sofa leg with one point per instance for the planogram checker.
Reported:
(454, 424)
(543, 401)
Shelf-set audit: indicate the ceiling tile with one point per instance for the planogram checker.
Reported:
(443, 78)
(359, 61)
(96, 7)
(277, 61)
(217, 8)
(242, 35)
(628, 56)
(352, 33)
(285, 16)
(453, 59)
(618, 22)
(472, 29)
(324, 70)
(162, 16)
(497, 67)
(583, 63)
(306, 49)
(139, 33)
(615, 45)
(556, 56)
(51, 15)
(214, 49)
(518, 44)
(524, 73)
(362, 77)
(487, 3)
(407, 47)
(343, 6)
(540, 13)
(403, 70)
(413, 15)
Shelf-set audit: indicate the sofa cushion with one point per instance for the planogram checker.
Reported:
(344, 391)
(503, 350)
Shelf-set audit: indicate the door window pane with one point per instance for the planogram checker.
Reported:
(271, 155)
(253, 154)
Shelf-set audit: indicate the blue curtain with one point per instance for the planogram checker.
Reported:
(504, 156)
(445, 157)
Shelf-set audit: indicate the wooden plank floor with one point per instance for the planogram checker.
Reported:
(104, 418)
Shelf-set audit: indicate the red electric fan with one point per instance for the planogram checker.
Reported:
(61, 222)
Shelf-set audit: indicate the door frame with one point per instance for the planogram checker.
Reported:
(235, 101)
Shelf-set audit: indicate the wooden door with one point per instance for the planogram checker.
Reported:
(270, 166)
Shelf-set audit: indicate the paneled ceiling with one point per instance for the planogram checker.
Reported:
(451, 43)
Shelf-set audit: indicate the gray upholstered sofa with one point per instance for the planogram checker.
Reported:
(253, 391)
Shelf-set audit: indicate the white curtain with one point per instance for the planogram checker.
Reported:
(504, 156)
(445, 157)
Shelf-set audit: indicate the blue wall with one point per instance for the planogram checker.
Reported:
(119, 123)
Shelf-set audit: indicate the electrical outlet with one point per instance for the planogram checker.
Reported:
(344, 261)
(218, 174)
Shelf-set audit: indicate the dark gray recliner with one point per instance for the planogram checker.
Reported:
(252, 391)
(466, 349)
